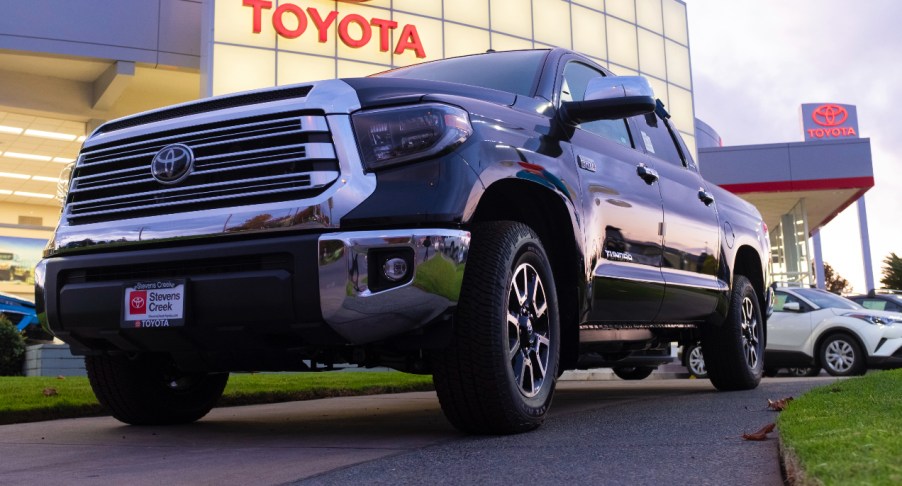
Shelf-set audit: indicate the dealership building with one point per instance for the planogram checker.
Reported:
(65, 68)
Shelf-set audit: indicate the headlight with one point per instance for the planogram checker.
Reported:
(65, 180)
(396, 135)
(876, 320)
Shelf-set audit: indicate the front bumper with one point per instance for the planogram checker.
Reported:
(361, 305)
(261, 298)
(889, 351)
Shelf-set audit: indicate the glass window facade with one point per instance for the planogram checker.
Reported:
(790, 255)
(295, 41)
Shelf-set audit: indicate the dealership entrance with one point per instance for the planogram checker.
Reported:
(799, 187)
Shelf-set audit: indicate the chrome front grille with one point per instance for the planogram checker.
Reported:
(263, 159)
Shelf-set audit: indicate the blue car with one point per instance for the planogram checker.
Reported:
(22, 314)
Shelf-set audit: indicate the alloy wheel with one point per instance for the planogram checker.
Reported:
(528, 330)
(751, 342)
(697, 361)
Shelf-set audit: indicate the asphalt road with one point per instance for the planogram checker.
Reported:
(599, 432)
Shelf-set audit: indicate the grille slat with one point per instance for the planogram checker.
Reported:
(222, 193)
(252, 161)
(307, 123)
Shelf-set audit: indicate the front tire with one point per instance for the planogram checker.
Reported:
(734, 349)
(149, 390)
(842, 356)
(498, 375)
(632, 373)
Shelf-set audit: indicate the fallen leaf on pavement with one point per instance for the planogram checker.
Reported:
(778, 405)
(761, 434)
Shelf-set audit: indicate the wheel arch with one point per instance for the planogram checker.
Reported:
(553, 219)
(748, 263)
(833, 331)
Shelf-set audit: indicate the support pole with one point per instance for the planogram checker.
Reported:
(819, 260)
(865, 245)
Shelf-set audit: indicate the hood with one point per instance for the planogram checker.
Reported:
(377, 91)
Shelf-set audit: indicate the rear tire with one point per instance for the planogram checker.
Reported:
(842, 356)
(734, 350)
(632, 373)
(498, 375)
(149, 390)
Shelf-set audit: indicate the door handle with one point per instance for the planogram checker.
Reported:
(647, 174)
(705, 196)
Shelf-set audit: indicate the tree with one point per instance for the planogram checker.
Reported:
(892, 272)
(834, 281)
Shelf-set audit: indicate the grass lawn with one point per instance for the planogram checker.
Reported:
(849, 432)
(30, 399)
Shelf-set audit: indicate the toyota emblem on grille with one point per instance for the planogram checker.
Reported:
(172, 164)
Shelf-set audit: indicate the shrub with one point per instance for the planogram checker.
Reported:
(12, 349)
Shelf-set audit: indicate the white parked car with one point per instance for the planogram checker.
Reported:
(814, 328)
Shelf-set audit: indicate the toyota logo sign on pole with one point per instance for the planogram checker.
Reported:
(829, 121)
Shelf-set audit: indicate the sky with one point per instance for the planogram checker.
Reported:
(755, 62)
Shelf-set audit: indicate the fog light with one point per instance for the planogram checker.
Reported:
(395, 269)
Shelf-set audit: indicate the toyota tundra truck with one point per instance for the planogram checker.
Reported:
(492, 220)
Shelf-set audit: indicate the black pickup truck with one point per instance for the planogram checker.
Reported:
(492, 220)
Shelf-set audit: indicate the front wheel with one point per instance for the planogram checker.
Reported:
(734, 349)
(633, 372)
(498, 375)
(150, 390)
(842, 356)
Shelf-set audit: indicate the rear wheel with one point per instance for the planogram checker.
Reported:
(734, 349)
(150, 390)
(633, 372)
(499, 374)
(695, 361)
(842, 356)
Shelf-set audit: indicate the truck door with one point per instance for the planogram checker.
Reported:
(691, 231)
(622, 211)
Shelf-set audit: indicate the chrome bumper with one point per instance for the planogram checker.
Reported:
(361, 315)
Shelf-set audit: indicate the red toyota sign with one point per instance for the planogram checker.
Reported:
(827, 121)
(291, 21)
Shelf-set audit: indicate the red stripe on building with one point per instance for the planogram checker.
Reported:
(807, 185)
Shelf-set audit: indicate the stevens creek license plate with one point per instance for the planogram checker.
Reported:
(160, 303)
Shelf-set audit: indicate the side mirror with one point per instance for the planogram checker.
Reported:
(792, 306)
(611, 98)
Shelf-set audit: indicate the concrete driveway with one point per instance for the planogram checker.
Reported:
(603, 432)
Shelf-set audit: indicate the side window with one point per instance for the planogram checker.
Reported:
(779, 300)
(874, 304)
(783, 299)
(573, 88)
(658, 141)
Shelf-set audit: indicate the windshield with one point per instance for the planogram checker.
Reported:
(823, 299)
(512, 71)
